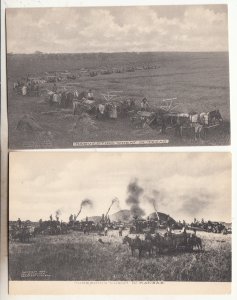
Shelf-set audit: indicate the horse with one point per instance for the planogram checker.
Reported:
(140, 245)
(198, 130)
(156, 242)
(215, 117)
(22, 234)
(195, 241)
(86, 230)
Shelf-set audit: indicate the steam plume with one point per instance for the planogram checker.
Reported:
(134, 192)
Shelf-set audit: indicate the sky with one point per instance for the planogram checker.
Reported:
(118, 29)
(184, 185)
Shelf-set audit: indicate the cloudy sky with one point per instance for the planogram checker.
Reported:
(117, 29)
(184, 185)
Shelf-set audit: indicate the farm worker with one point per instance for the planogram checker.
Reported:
(15, 85)
(90, 95)
(19, 222)
(106, 231)
(24, 90)
(63, 98)
(54, 89)
(75, 94)
(120, 231)
(75, 104)
(132, 104)
(184, 230)
(37, 89)
(169, 231)
(144, 104)
(163, 125)
(101, 108)
(168, 221)
(51, 218)
(113, 112)
(55, 98)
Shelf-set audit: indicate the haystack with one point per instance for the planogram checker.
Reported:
(28, 123)
(85, 124)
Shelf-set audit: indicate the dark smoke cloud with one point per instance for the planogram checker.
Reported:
(195, 204)
(86, 202)
(134, 192)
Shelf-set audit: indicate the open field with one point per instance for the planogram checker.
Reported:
(200, 81)
(75, 256)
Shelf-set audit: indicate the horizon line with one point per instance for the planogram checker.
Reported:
(114, 52)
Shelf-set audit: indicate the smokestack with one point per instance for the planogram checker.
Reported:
(154, 205)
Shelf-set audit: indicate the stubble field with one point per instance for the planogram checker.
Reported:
(75, 256)
(199, 81)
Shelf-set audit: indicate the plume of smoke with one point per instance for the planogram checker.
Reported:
(135, 192)
(115, 200)
(85, 203)
(157, 199)
(58, 213)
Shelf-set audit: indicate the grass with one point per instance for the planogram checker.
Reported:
(78, 257)
(200, 81)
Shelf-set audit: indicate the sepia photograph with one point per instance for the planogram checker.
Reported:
(118, 76)
(127, 217)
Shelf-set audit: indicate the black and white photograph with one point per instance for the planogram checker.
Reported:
(146, 217)
(118, 76)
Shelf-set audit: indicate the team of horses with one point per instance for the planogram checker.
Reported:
(158, 244)
(194, 124)
(23, 234)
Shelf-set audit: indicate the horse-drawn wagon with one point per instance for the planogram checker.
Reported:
(22, 234)
(194, 124)
(163, 243)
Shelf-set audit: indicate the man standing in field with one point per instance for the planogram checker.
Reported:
(106, 231)
(19, 222)
(54, 89)
(24, 90)
(90, 95)
(144, 105)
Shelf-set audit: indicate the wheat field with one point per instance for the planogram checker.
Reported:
(75, 256)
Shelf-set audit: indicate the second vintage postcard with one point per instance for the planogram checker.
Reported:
(120, 218)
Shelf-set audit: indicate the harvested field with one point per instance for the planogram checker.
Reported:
(200, 81)
(75, 256)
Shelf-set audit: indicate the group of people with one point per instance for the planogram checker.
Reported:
(27, 87)
(113, 110)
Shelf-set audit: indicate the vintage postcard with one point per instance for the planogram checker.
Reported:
(118, 76)
(120, 223)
